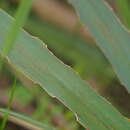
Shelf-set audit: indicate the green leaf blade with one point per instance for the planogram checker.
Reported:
(30, 57)
(25, 121)
(110, 35)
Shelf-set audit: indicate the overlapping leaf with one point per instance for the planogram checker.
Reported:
(30, 57)
(24, 121)
(110, 34)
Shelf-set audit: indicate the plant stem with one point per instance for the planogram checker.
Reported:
(9, 106)
(20, 18)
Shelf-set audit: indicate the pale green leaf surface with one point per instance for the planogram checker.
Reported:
(25, 121)
(30, 57)
(110, 34)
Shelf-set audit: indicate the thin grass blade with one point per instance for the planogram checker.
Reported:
(111, 36)
(25, 121)
(20, 19)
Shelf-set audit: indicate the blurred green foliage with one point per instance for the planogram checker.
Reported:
(123, 9)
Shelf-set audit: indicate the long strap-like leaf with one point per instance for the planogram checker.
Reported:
(109, 33)
(30, 57)
(24, 121)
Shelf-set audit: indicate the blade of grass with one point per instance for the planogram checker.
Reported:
(34, 61)
(25, 121)
(20, 18)
(111, 36)
(9, 106)
(80, 52)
